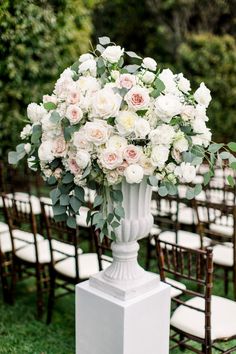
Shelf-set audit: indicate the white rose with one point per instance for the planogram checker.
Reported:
(159, 156)
(64, 84)
(168, 78)
(106, 103)
(45, 151)
(74, 114)
(149, 63)
(134, 173)
(27, 148)
(115, 74)
(186, 172)
(187, 113)
(82, 158)
(80, 141)
(113, 177)
(137, 98)
(180, 142)
(200, 112)
(203, 95)
(85, 57)
(35, 112)
(116, 142)
(113, 53)
(26, 131)
(162, 135)
(141, 128)
(168, 106)
(202, 139)
(126, 81)
(110, 158)
(148, 77)
(146, 164)
(170, 167)
(87, 83)
(48, 124)
(183, 83)
(199, 126)
(88, 67)
(125, 122)
(97, 132)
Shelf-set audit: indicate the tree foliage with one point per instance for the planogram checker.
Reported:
(196, 37)
(38, 40)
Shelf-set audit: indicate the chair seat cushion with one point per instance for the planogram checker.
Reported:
(223, 314)
(224, 254)
(6, 245)
(185, 239)
(21, 239)
(3, 227)
(88, 265)
(60, 250)
(155, 230)
(174, 292)
(225, 230)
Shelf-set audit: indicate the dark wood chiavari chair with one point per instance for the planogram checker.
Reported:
(69, 265)
(197, 316)
(220, 227)
(169, 227)
(29, 256)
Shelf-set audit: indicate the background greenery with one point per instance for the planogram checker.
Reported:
(39, 38)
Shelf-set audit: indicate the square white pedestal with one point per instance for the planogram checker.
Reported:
(107, 325)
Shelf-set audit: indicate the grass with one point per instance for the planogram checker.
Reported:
(21, 333)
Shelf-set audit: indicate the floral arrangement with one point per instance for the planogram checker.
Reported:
(106, 121)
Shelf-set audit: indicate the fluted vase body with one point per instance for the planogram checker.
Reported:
(134, 226)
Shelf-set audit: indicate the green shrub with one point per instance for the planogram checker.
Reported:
(38, 40)
(212, 59)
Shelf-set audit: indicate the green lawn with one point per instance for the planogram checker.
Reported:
(21, 333)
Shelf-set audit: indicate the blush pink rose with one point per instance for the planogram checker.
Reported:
(137, 98)
(127, 81)
(74, 114)
(73, 166)
(120, 169)
(73, 97)
(48, 98)
(59, 148)
(110, 159)
(131, 154)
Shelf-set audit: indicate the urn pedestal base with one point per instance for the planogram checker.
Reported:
(107, 325)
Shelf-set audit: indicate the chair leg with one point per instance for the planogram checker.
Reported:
(226, 281)
(206, 349)
(148, 253)
(51, 296)
(39, 295)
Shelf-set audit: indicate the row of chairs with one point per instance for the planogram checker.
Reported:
(26, 252)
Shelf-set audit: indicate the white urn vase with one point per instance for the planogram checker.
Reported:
(125, 278)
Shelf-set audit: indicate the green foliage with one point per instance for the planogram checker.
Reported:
(182, 35)
(212, 59)
(38, 40)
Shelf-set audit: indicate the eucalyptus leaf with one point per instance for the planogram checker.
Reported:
(75, 66)
(215, 147)
(190, 193)
(162, 191)
(206, 178)
(197, 189)
(12, 157)
(153, 181)
(119, 211)
(79, 192)
(52, 180)
(49, 106)
(231, 181)
(97, 201)
(132, 68)
(224, 155)
(55, 117)
(68, 178)
(117, 195)
(100, 48)
(75, 203)
(64, 199)
(233, 165)
(58, 209)
(54, 195)
(133, 55)
(104, 40)
(232, 146)
(71, 222)
(36, 134)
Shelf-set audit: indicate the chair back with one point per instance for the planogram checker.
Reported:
(19, 216)
(166, 211)
(195, 269)
(62, 239)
